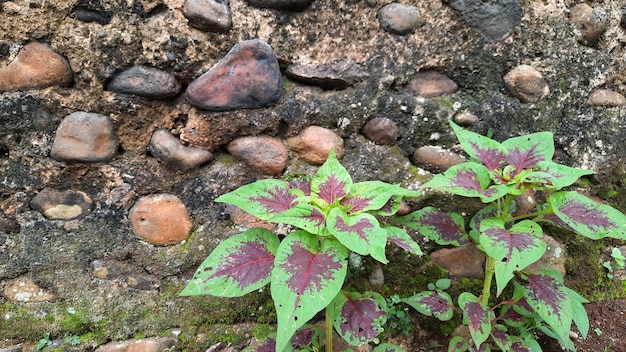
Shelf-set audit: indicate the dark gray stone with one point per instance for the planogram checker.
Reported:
(208, 15)
(494, 19)
(337, 74)
(290, 5)
(147, 82)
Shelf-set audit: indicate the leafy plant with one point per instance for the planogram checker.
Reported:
(539, 301)
(398, 315)
(331, 216)
(619, 261)
(44, 342)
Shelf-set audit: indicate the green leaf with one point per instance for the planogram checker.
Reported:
(332, 182)
(401, 238)
(304, 216)
(489, 152)
(588, 218)
(442, 227)
(561, 175)
(469, 180)
(457, 344)
(579, 313)
(478, 317)
(237, 266)
(262, 198)
(435, 303)
(512, 249)
(306, 278)
(358, 317)
(360, 233)
(373, 195)
(387, 347)
(524, 152)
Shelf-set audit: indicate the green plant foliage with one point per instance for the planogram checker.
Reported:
(306, 269)
(496, 174)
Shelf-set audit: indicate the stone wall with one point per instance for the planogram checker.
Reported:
(121, 117)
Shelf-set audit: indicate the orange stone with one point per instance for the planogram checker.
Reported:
(161, 219)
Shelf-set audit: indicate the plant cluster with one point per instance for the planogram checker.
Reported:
(332, 216)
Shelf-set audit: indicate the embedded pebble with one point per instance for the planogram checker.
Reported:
(605, 97)
(160, 219)
(466, 119)
(86, 137)
(381, 130)
(247, 77)
(290, 5)
(25, 290)
(263, 153)
(588, 22)
(399, 18)
(526, 84)
(36, 66)
(153, 344)
(208, 15)
(435, 158)
(109, 270)
(170, 151)
(525, 202)
(336, 74)
(314, 143)
(495, 20)
(61, 205)
(144, 81)
(246, 220)
(465, 261)
(431, 83)
(89, 15)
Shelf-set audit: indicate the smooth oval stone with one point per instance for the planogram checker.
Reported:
(399, 18)
(161, 219)
(290, 5)
(315, 142)
(430, 84)
(147, 82)
(36, 66)
(247, 77)
(606, 97)
(263, 153)
(170, 151)
(527, 84)
(208, 15)
(86, 137)
(61, 205)
(381, 130)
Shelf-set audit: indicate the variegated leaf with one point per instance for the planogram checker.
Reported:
(332, 182)
(262, 198)
(358, 317)
(402, 239)
(435, 303)
(445, 228)
(469, 180)
(360, 233)
(524, 152)
(489, 152)
(373, 195)
(561, 175)
(478, 318)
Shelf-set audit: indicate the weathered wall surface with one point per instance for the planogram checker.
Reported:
(96, 276)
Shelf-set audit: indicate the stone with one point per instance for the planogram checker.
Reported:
(431, 83)
(381, 130)
(109, 270)
(436, 159)
(526, 84)
(86, 137)
(290, 5)
(336, 74)
(246, 220)
(160, 219)
(494, 20)
(525, 202)
(247, 77)
(170, 151)
(153, 344)
(91, 15)
(605, 97)
(466, 119)
(36, 66)
(465, 261)
(589, 23)
(263, 153)
(208, 15)
(314, 143)
(61, 205)
(554, 257)
(25, 290)
(399, 18)
(144, 81)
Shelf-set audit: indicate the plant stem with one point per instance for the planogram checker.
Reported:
(489, 271)
(329, 333)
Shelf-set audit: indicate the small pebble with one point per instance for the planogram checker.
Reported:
(605, 97)
(170, 151)
(25, 290)
(337, 74)
(144, 81)
(246, 220)
(153, 344)
(36, 66)
(86, 137)
(590, 23)
(109, 270)
(494, 20)
(436, 159)
(289, 5)
(527, 84)
(381, 130)
(247, 77)
(263, 153)
(88, 15)
(314, 143)
(466, 119)
(160, 219)
(399, 18)
(208, 15)
(554, 257)
(465, 261)
(61, 205)
(430, 84)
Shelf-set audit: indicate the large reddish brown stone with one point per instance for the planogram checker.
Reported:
(315, 142)
(36, 66)
(263, 153)
(83, 136)
(247, 77)
(436, 159)
(527, 84)
(428, 84)
(161, 219)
